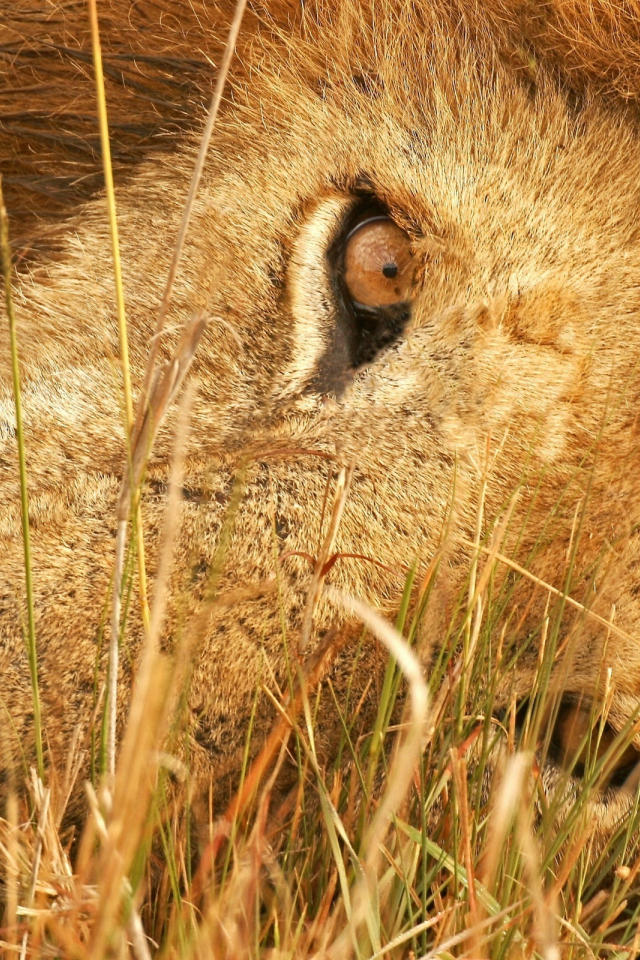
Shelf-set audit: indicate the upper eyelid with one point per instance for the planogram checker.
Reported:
(362, 223)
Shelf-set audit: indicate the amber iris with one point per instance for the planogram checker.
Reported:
(378, 265)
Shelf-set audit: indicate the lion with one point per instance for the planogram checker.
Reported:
(415, 247)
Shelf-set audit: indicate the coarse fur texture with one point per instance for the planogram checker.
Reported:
(503, 137)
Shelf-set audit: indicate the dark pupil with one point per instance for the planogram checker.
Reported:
(390, 271)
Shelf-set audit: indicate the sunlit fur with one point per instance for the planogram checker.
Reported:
(499, 139)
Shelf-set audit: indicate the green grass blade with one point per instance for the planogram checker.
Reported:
(24, 494)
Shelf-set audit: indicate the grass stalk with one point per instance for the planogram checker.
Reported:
(198, 169)
(24, 493)
(117, 274)
(128, 399)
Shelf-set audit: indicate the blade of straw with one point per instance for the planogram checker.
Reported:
(193, 189)
(117, 272)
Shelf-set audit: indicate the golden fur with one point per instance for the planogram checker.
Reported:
(504, 138)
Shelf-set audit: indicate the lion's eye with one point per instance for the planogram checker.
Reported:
(378, 265)
(370, 280)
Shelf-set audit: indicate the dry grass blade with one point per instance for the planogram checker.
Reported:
(320, 572)
(459, 772)
(134, 924)
(618, 631)
(114, 647)
(193, 189)
(311, 673)
(408, 935)
(543, 914)
(475, 597)
(167, 382)
(226, 926)
(43, 798)
(11, 864)
(138, 938)
(133, 788)
(442, 950)
(172, 518)
(150, 654)
(153, 694)
(105, 147)
(504, 810)
(511, 806)
(401, 773)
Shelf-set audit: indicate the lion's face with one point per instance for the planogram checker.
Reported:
(415, 270)
(435, 283)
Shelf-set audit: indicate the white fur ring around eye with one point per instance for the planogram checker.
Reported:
(378, 263)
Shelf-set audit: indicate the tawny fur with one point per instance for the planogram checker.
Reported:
(504, 138)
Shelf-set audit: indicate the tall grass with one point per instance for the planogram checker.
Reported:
(476, 859)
